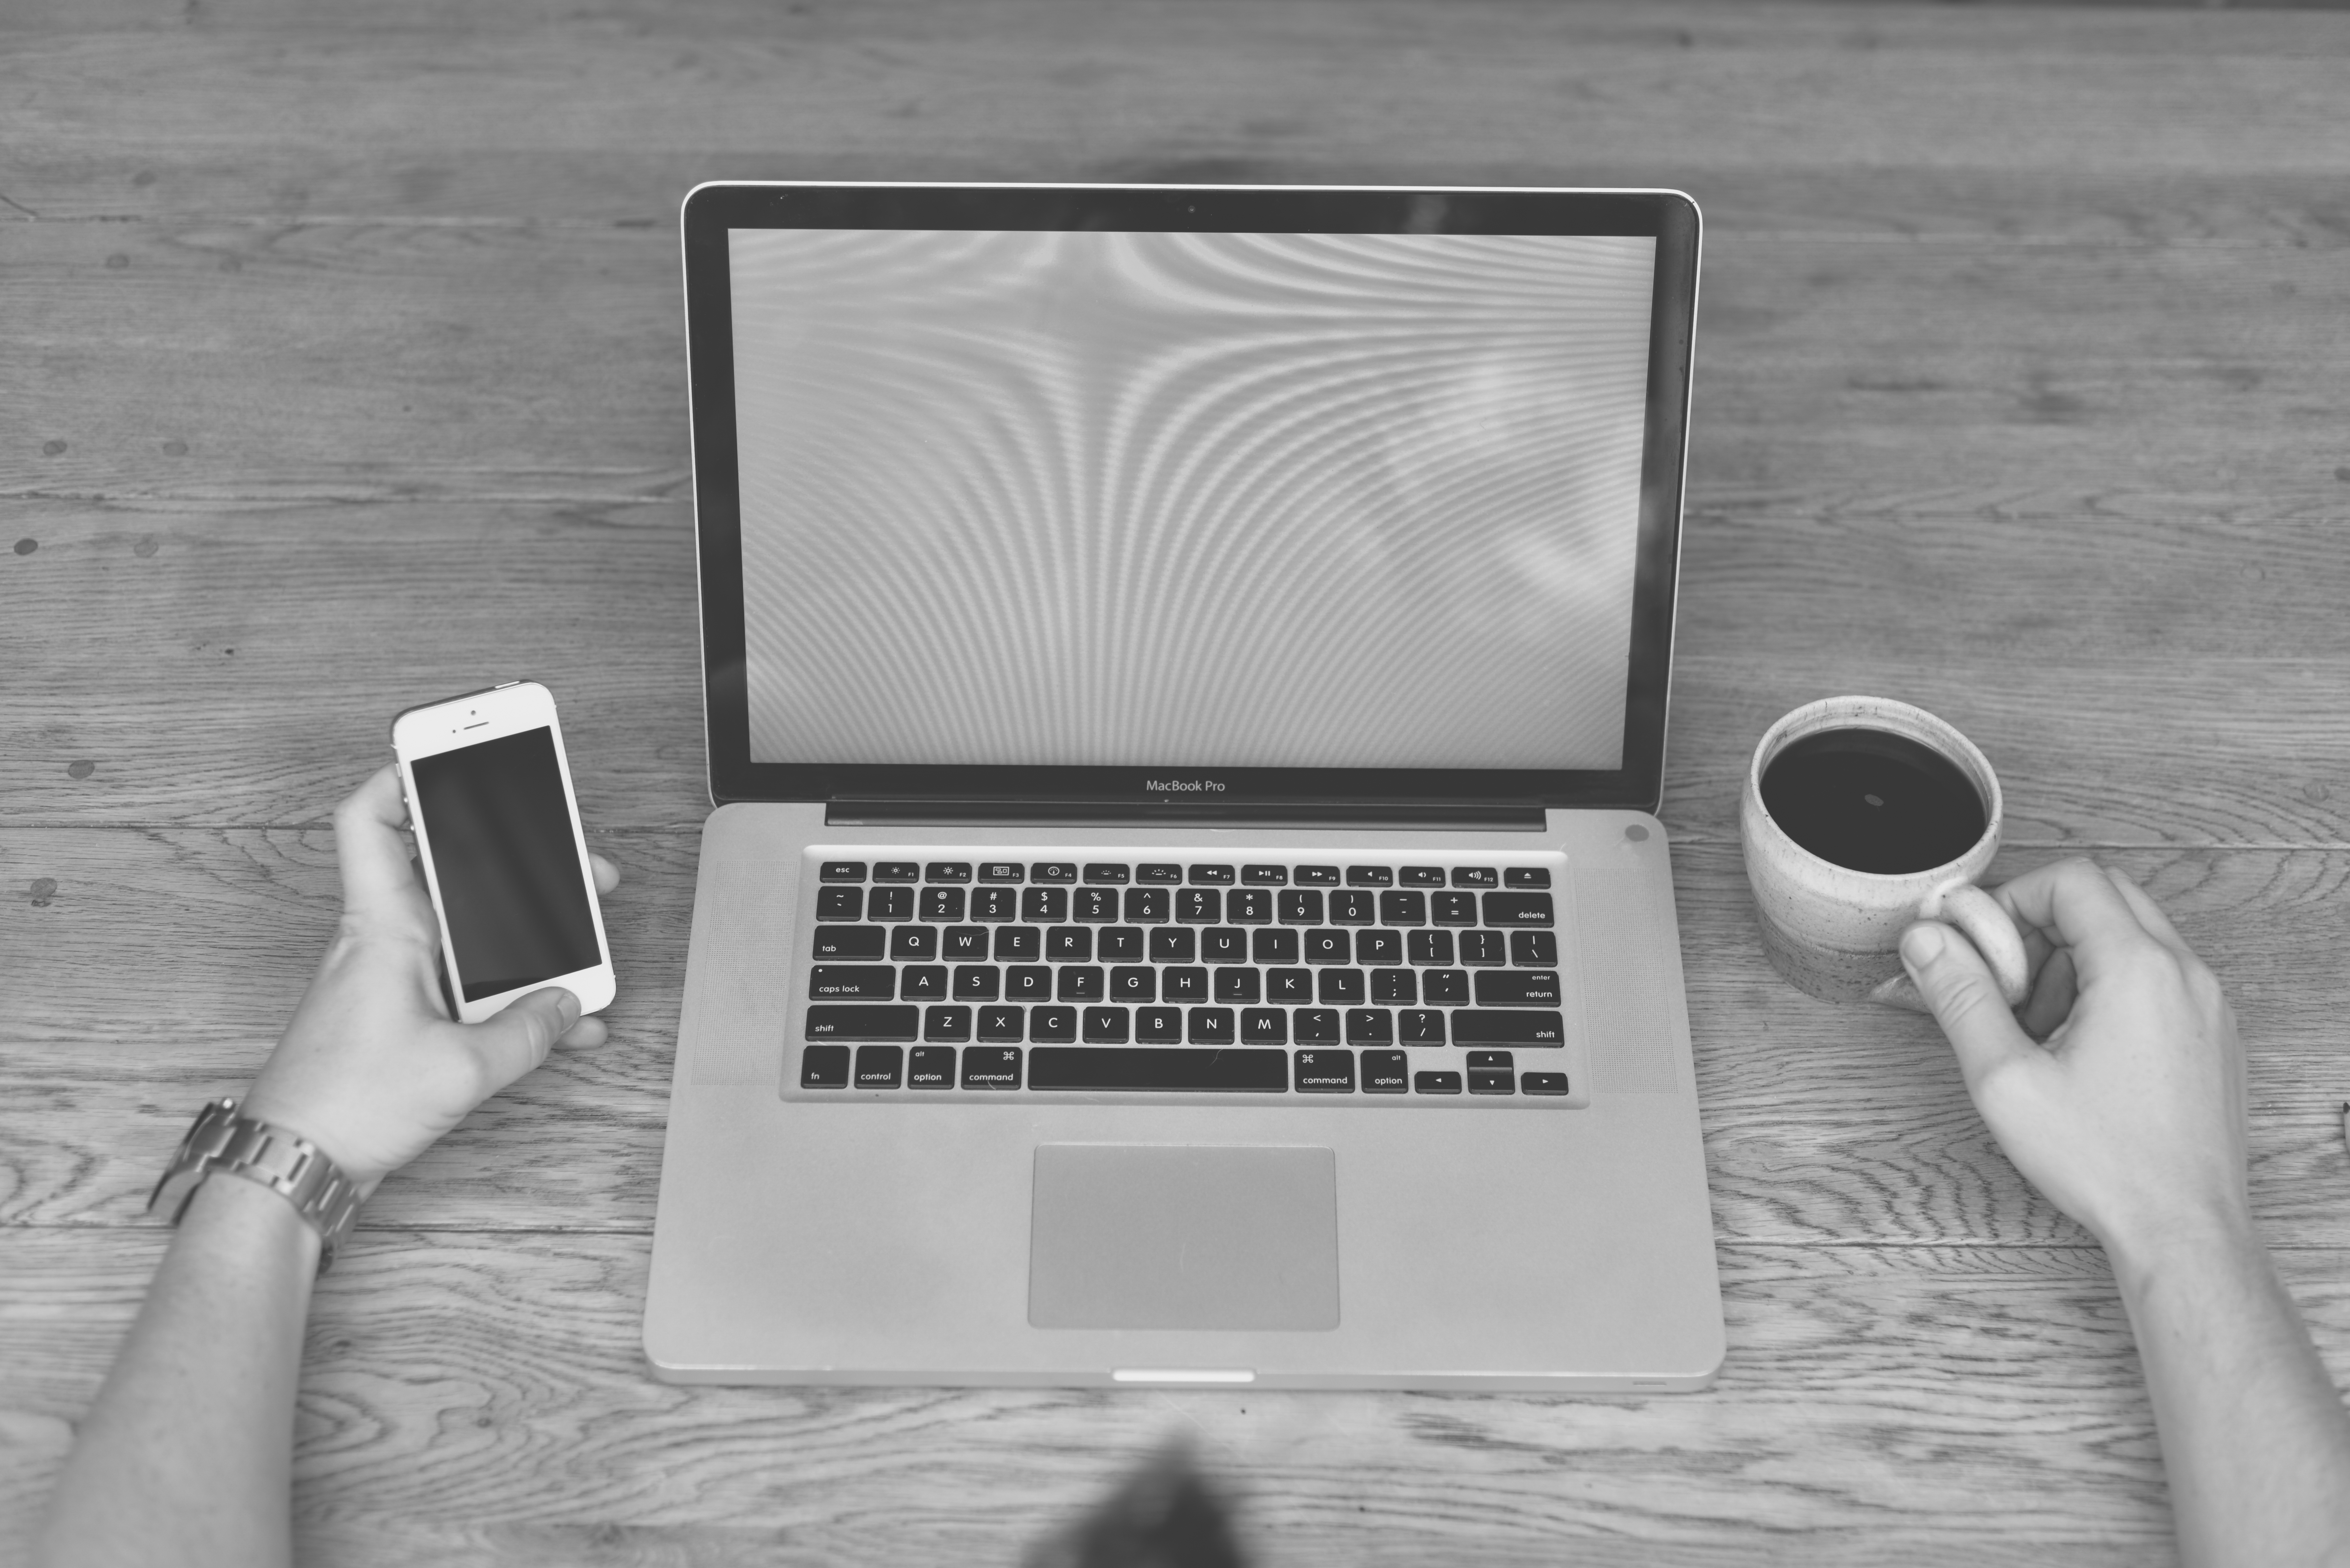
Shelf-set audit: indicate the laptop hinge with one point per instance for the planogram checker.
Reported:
(1479, 816)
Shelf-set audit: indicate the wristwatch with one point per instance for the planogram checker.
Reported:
(286, 1163)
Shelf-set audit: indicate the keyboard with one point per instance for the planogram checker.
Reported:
(1428, 980)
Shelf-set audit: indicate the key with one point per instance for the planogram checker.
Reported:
(843, 871)
(1437, 1083)
(849, 941)
(995, 903)
(1222, 944)
(1028, 982)
(1069, 944)
(1211, 1025)
(1422, 876)
(1378, 947)
(1493, 1081)
(914, 943)
(1542, 1083)
(998, 871)
(1044, 906)
(1147, 906)
(1199, 906)
(1052, 871)
(823, 1067)
(1518, 909)
(1428, 947)
(1449, 986)
(947, 871)
(1265, 875)
(1301, 907)
(1420, 1026)
(1183, 984)
(890, 904)
(897, 871)
(1369, 1026)
(977, 982)
(922, 980)
(1481, 947)
(1015, 943)
(1264, 1026)
(1455, 908)
(1003, 1023)
(1216, 874)
(1394, 985)
(991, 1066)
(942, 904)
(1098, 905)
(1173, 1069)
(1403, 908)
(1350, 907)
(1079, 982)
(1324, 1072)
(1106, 871)
(840, 904)
(1475, 877)
(1173, 944)
(1385, 1071)
(930, 1068)
(1518, 988)
(1160, 872)
(1237, 985)
(1157, 1025)
(962, 943)
(1118, 942)
(871, 982)
(1289, 985)
(1479, 1026)
(1315, 1025)
(1274, 946)
(1317, 875)
(1327, 946)
(1533, 949)
(1526, 877)
(843, 1020)
(1248, 906)
(1370, 877)
(1057, 1025)
(1342, 986)
(1134, 983)
(1105, 1025)
(946, 1023)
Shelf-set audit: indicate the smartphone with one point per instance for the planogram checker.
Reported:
(497, 832)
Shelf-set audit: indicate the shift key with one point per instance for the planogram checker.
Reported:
(1507, 987)
(848, 1021)
(848, 941)
(1479, 1026)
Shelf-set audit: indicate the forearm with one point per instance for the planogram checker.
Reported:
(2254, 1436)
(187, 1455)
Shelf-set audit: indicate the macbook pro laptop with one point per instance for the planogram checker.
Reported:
(1186, 672)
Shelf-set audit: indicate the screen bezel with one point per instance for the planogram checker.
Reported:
(710, 210)
(455, 724)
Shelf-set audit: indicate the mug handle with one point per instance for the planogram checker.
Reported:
(1988, 925)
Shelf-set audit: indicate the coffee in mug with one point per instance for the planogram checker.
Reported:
(1861, 815)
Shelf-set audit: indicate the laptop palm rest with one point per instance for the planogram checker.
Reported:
(1183, 1236)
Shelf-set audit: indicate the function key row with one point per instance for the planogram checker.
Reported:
(1165, 1069)
(1166, 874)
(1186, 906)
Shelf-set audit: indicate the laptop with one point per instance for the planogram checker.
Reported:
(1185, 674)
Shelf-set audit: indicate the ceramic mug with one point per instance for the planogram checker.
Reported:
(1835, 933)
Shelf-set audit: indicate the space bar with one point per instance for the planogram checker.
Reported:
(1163, 1067)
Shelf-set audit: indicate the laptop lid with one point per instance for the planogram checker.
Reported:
(1161, 503)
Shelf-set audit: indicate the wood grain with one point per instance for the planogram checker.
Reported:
(485, 1397)
(1824, 1124)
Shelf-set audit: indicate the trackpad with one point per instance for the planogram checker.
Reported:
(1183, 1236)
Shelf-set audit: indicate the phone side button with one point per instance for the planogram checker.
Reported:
(849, 1021)
(823, 1067)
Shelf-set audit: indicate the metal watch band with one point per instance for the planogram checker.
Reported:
(287, 1164)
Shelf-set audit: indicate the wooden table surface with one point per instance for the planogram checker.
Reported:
(341, 367)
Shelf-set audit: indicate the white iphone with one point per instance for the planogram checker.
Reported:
(497, 831)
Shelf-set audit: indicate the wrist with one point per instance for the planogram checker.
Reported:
(2198, 1238)
(248, 1219)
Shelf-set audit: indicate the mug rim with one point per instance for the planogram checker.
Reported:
(1947, 738)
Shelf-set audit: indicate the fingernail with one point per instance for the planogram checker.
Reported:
(1921, 944)
(567, 1004)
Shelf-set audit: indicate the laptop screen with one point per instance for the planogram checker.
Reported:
(1189, 501)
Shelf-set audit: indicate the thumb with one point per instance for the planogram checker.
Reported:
(518, 1037)
(1958, 985)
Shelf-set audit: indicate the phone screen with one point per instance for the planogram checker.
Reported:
(507, 866)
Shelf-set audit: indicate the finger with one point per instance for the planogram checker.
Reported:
(608, 876)
(2079, 904)
(1958, 985)
(2149, 913)
(587, 1032)
(2053, 995)
(377, 876)
(517, 1038)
